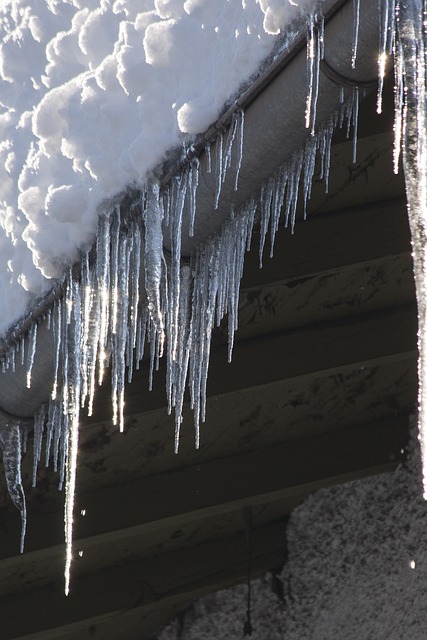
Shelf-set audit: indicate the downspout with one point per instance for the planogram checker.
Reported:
(274, 129)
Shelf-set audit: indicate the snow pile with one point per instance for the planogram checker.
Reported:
(357, 568)
(92, 96)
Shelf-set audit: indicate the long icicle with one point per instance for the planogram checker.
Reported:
(11, 445)
(72, 410)
(412, 61)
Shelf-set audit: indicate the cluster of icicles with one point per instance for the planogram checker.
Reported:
(129, 293)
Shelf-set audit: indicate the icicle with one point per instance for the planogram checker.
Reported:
(39, 420)
(140, 337)
(72, 409)
(315, 52)
(32, 344)
(57, 322)
(177, 372)
(240, 136)
(356, 22)
(153, 257)
(382, 59)
(86, 289)
(134, 303)
(412, 50)
(208, 157)
(386, 10)
(152, 340)
(11, 445)
(18, 346)
(241, 231)
(24, 437)
(265, 202)
(22, 350)
(6, 361)
(120, 337)
(166, 205)
(218, 168)
(91, 335)
(13, 359)
(309, 165)
(355, 121)
(177, 207)
(310, 70)
(399, 93)
(103, 286)
(59, 443)
(294, 171)
(51, 427)
(63, 448)
(61, 438)
(223, 272)
(205, 288)
(69, 297)
(251, 208)
(114, 271)
(325, 149)
(193, 182)
(218, 269)
(226, 160)
(350, 113)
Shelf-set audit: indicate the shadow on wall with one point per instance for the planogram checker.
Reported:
(357, 567)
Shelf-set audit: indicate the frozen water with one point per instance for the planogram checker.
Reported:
(356, 22)
(411, 67)
(11, 446)
(315, 52)
(32, 344)
(387, 16)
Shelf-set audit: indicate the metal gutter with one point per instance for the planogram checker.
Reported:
(275, 120)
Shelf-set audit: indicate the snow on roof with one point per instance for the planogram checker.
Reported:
(92, 96)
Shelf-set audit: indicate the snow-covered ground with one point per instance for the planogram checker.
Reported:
(357, 569)
(93, 93)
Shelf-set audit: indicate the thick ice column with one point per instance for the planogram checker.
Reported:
(153, 256)
(411, 48)
(11, 446)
